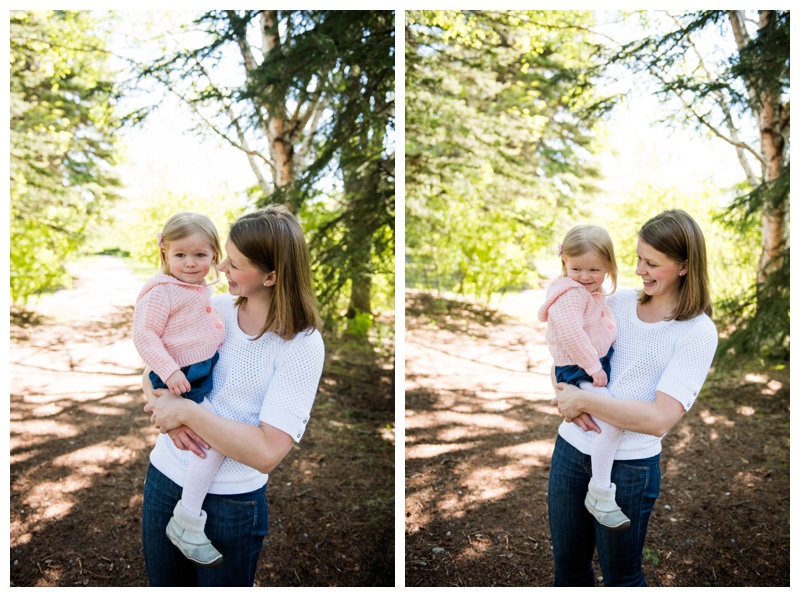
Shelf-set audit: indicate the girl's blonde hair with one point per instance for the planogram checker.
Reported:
(184, 225)
(586, 238)
(675, 234)
(273, 241)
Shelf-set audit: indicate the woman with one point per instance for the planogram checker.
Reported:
(265, 382)
(665, 345)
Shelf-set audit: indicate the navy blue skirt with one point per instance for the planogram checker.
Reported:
(572, 374)
(199, 375)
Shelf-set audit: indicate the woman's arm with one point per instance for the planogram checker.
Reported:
(680, 383)
(261, 448)
(653, 418)
(183, 437)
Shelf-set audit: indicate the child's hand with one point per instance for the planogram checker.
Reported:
(599, 379)
(177, 383)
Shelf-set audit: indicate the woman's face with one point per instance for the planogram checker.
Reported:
(244, 278)
(589, 270)
(660, 274)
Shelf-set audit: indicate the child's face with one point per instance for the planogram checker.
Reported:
(588, 269)
(189, 258)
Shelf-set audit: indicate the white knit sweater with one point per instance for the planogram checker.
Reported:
(672, 357)
(269, 379)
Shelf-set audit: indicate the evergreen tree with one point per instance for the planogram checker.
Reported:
(62, 142)
(315, 104)
(499, 115)
(742, 97)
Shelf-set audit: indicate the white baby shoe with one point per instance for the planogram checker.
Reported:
(601, 502)
(187, 533)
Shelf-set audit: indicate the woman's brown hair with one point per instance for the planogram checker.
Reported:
(271, 238)
(675, 234)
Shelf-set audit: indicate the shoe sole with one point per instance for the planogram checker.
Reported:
(211, 564)
(622, 527)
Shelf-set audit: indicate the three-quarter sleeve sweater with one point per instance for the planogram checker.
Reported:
(174, 325)
(268, 380)
(580, 328)
(672, 357)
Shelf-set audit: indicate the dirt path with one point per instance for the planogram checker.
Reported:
(79, 437)
(479, 432)
(479, 437)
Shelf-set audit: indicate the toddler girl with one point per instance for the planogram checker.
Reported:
(177, 334)
(580, 332)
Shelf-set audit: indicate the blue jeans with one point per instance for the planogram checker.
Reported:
(236, 526)
(575, 532)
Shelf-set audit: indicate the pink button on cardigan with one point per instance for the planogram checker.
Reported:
(174, 325)
(581, 328)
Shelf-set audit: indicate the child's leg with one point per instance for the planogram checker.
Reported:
(186, 528)
(200, 475)
(604, 446)
(601, 497)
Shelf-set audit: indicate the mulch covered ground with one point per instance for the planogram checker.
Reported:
(479, 435)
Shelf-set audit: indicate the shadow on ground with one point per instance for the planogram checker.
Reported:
(478, 454)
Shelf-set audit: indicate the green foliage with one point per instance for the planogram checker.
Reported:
(331, 232)
(62, 143)
(500, 111)
(359, 325)
(737, 88)
(315, 114)
(650, 556)
(755, 318)
(732, 254)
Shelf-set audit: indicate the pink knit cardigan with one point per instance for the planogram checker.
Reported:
(580, 327)
(174, 325)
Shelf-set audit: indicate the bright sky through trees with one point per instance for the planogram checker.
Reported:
(163, 153)
(649, 151)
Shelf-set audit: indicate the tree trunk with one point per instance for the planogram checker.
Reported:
(280, 145)
(773, 144)
(768, 108)
(360, 295)
(356, 188)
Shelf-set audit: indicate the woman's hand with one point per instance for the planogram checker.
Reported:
(165, 412)
(566, 401)
(186, 439)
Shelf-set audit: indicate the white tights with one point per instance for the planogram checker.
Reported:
(604, 446)
(200, 474)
